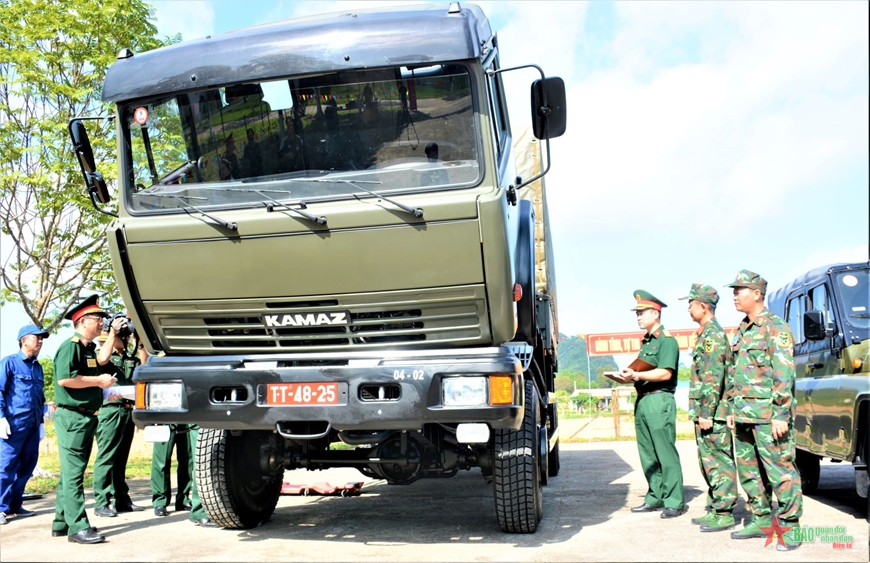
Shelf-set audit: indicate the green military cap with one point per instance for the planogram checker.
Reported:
(89, 306)
(745, 278)
(702, 293)
(646, 300)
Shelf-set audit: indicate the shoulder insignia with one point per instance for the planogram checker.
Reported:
(782, 340)
(74, 339)
(666, 333)
(708, 345)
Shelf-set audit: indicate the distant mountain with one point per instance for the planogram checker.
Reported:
(572, 356)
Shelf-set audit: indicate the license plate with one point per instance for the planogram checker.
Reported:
(302, 394)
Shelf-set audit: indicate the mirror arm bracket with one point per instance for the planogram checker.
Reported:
(92, 192)
(544, 109)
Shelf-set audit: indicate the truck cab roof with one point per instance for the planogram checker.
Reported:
(777, 299)
(324, 43)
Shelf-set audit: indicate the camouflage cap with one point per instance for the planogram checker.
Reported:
(745, 278)
(646, 300)
(702, 293)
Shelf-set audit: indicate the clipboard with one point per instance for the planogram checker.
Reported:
(640, 365)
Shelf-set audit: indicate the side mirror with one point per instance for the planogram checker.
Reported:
(814, 325)
(82, 147)
(549, 114)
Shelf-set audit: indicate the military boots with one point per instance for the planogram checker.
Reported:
(753, 529)
(719, 522)
(704, 519)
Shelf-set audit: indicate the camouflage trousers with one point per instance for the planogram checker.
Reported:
(767, 466)
(716, 458)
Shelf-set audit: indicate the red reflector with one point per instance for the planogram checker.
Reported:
(518, 292)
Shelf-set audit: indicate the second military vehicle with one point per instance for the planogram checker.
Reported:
(324, 237)
(828, 310)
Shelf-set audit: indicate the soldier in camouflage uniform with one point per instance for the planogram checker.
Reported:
(708, 408)
(762, 412)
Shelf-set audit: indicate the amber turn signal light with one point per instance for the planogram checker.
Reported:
(857, 363)
(518, 292)
(140, 396)
(501, 390)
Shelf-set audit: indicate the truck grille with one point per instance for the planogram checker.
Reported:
(437, 317)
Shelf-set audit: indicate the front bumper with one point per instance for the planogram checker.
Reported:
(417, 375)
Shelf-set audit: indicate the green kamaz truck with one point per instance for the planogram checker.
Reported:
(328, 233)
(828, 310)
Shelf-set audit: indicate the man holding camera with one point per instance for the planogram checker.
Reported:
(116, 428)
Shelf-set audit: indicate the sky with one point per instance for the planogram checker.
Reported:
(703, 138)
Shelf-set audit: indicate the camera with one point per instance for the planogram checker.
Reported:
(126, 329)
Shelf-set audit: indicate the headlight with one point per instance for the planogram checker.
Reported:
(464, 391)
(165, 396)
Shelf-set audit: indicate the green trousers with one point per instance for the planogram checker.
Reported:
(655, 423)
(766, 465)
(114, 438)
(161, 468)
(716, 458)
(75, 438)
(197, 512)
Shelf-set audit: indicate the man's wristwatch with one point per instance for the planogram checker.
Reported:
(140, 346)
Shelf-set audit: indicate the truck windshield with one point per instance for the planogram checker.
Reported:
(396, 129)
(854, 289)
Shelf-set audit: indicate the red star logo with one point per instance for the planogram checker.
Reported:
(775, 528)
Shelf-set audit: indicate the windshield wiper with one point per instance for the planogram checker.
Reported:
(860, 315)
(270, 207)
(415, 211)
(187, 207)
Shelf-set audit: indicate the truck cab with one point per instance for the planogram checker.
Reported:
(828, 311)
(324, 237)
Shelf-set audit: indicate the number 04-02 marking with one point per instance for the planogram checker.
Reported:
(416, 374)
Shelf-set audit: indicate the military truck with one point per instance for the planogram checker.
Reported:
(828, 310)
(324, 238)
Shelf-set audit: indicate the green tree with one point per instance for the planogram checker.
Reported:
(48, 372)
(684, 373)
(53, 58)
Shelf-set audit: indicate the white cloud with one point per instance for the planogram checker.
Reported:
(194, 19)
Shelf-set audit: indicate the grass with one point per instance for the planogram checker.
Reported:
(138, 465)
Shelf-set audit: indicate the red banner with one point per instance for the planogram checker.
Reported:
(608, 344)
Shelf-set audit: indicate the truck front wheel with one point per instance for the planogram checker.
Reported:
(808, 466)
(516, 471)
(236, 491)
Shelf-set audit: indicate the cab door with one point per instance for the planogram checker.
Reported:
(823, 366)
(805, 384)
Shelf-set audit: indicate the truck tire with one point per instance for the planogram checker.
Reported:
(235, 491)
(519, 502)
(553, 462)
(808, 466)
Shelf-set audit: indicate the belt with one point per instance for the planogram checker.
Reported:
(639, 395)
(82, 410)
(125, 405)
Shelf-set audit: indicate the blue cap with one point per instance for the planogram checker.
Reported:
(31, 329)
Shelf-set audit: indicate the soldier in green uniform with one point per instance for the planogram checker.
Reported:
(161, 470)
(655, 410)
(78, 386)
(197, 513)
(115, 428)
(762, 412)
(708, 408)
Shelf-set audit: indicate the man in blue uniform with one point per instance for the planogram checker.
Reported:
(22, 401)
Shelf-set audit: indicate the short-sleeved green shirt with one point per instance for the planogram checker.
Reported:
(73, 358)
(661, 350)
(122, 367)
